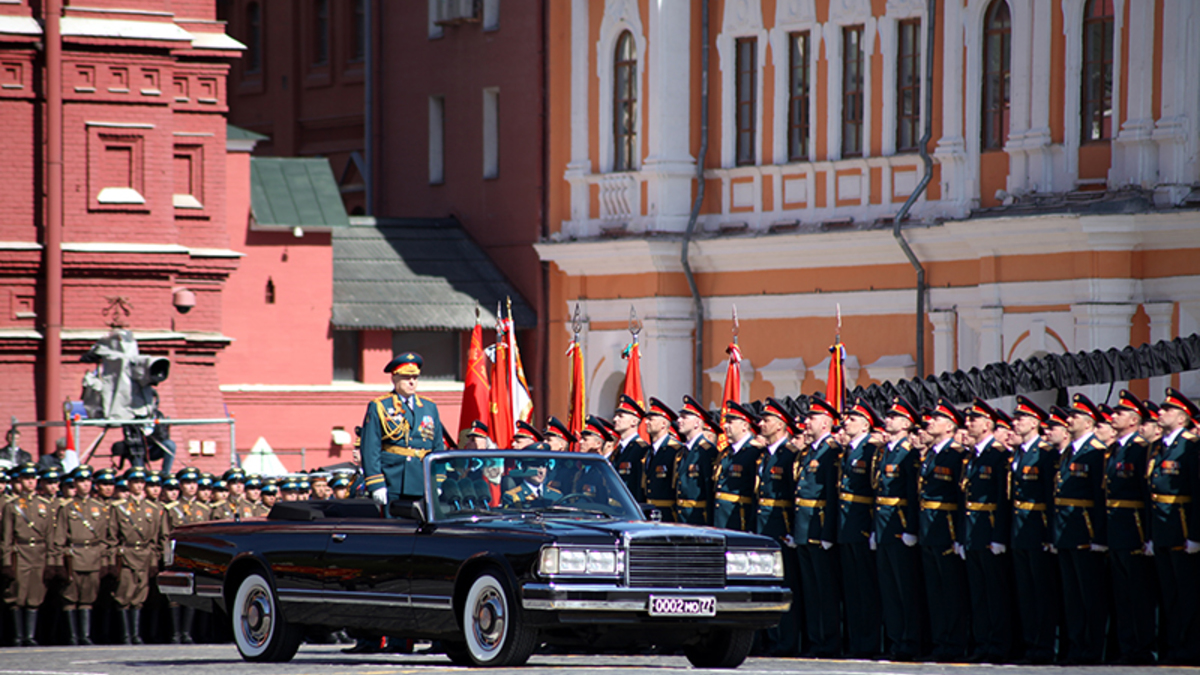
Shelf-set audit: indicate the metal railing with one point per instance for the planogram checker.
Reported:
(107, 424)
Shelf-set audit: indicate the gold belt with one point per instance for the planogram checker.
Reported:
(691, 503)
(664, 503)
(1081, 503)
(736, 499)
(405, 451)
(981, 506)
(938, 506)
(1171, 499)
(891, 501)
(856, 499)
(1029, 506)
(1125, 504)
(810, 503)
(775, 503)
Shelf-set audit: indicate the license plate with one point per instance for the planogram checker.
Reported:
(677, 606)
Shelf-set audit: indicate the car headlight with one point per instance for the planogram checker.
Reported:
(754, 564)
(578, 561)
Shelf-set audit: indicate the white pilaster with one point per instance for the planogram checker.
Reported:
(717, 373)
(580, 165)
(1135, 154)
(669, 167)
(1160, 314)
(785, 375)
(851, 369)
(944, 337)
(1101, 326)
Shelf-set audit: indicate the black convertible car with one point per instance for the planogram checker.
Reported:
(508, 550)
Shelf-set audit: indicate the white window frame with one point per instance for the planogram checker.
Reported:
(491, 132)
(843, 15)
(437, 139)
(619, 16)
(794, 18)
(741, 21)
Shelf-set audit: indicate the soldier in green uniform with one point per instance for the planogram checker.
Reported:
(941, 554)
(986, 532)
(736, 475)
(82, 544)
(531, 489)
(897, 523)
(815, 532)
(856, 532)
(1031, 486)
(775, 498)
(399, 429)
(557, 435)
(1174, 476)
(139, 527)
(26, 524)
(525, 435)
(630, 455)
(694, 468)
(658, 470)
(1080, 525)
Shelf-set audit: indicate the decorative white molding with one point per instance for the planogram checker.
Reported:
(850, 367)
(619, 16)
(898, 10)
(1160, 315)
(1135, 154)
(844, 13)
(793, 16)
(717, 373)
(944, 339)
(785, 375)
(742, 19)
(892, 368)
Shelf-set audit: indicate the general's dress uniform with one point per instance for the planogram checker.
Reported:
(397, 434)
(658, 470)
(630, 456)
(83, 544)
(985, 535)
(815, 531)
(27, 524)
(941, 521)
(694, 468)
(735, 477)
(1127, 495)
(897, 526)
(1080, 525)
(856, 524)
(1174, 477)
(140, 530)
(1035, 567)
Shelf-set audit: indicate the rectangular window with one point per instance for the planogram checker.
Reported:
(1097, 71)
(189, 177)
(116, 168)
(438, 349)
(358, 31)
(908, 86)
(491, 132)
(346, 356)
(320, 32)
(437, 158)
(852, 91)
(747, 99)
(798, 97)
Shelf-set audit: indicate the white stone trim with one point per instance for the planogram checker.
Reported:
(580, 164)
(619, 16)
(19, 25)
(890, 45)
(128, 29)
(742, 19)
(786, 376)
(1175, 131)
(218, 41)
(892, 367)
(850, 368)
(843, 13)
(1134, 153)
(717, 374)
(793, 16)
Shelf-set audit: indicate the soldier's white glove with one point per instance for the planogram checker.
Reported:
(1051, 548)
(1192, 547)
(960, 550)
(871, 541)
(997, 549)
(1101, 548)
(909, 539)
(789, 540)
(380, 496)
(826, 545)
(1148, 549)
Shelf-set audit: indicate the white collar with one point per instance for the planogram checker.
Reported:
(775, 446)
(1124, 440)
(941, 446)
(983, 444)
(737, 445)
(1027, 445)
(821, 439)
(1170, 438)
(1078, 444)
(660, 442)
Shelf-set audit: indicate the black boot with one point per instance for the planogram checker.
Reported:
(84, 614)
(126, 631)
(189, 613)
(18, 623)
(176, 621)
(30, 626)
(72, 622)
(135, 625)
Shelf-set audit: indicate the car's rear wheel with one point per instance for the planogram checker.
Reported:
(259, 629)
(721, 649)
(493, 630)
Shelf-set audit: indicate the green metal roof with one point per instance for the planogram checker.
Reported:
(235, 133)
(416, 274)
(288, 192)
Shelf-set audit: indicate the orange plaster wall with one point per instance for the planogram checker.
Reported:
(1095, 159)
(558, 127)
(1158, 55)
(993, 175)
(1139, 334)
(1058, 57)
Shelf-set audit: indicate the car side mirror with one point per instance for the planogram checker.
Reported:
(409, 509)
(650, 512)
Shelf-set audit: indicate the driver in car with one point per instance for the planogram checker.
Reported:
(532, 474)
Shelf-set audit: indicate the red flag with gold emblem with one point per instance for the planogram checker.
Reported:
(578, 398)
(501, 400)
(633, 380)
(733, 387)
(475, 401)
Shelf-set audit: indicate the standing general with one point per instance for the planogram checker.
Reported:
(399, 429)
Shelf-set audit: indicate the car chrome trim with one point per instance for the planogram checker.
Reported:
(546, 597)
(368, 599)
(432, 602)
(176, 583)
(209, 590)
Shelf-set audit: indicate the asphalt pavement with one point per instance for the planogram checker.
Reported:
(329, 660)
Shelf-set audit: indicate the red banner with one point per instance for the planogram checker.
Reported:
(475, 387)
(578, 398)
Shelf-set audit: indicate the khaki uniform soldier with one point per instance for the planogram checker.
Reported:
(140, 528)
(236, 507)
(254, 485)
(185, 511)
(83, 545)
(27, 522)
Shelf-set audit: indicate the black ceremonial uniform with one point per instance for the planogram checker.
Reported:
(856, 521)
(945, 572)
(816, 522)
(987, 520)
(1175, 490)
(658, 477)
(775, 495)
(1127, 495)
(897, 512)
(694, 468)
(1080, 522)
(734, 485)
(1036, 568)
(630, 460)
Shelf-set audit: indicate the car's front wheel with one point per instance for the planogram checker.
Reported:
(259, 629)
(493, 631)
(721, 649)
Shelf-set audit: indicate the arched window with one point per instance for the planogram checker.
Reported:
(997, 74)
(253, 58)
(625, 104)
(1096, 97)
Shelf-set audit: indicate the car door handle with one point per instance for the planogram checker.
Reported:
(339, 538)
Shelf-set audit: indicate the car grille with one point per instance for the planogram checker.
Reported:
(676, 563)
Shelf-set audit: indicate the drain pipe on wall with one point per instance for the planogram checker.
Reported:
(697, 304)
(926, 134)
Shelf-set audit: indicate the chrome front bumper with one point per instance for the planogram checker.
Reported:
(612, 598)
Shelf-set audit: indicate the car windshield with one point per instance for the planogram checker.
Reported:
(512, 483)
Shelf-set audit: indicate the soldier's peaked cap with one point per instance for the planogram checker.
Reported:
(946, 409)
(408, 363)
(692, 407)
(1175, 399)
(819, 406)
(981, 408)
(775, 408)
(1003, 419)
(478, 428)
(627, 405)
(735, 410)
(1058, 417)
(594, 425)
(661, 409)
(555, 427)
(1152, 410)
(1082, 405)
(861, 407)
(527, 430)
(135, 474)
(902, 408)
(1031, 409)
(188, 474)
(1127, 401)
(82, 472)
